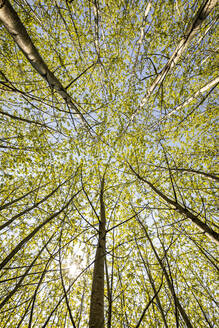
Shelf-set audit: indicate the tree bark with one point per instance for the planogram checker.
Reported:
(191, 31)
(33, 233)
(169, 282)
(96, 319)
(181, 209)
(203, 12)
(17, 30)
(212, 84)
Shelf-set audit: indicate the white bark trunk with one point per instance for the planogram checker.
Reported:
(17, 30)
(198, 93)
(191, 31)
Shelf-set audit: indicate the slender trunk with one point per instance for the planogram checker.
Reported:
(34, 232)
(213, 176)
(2, 207)
(183, 210)
(17, 30)
(19, 282)
(200, 92)
(63, 285)
(169, 282)
(146, 265)
(28, 209)
(96, 319)
(36, 291)
(204, 10)
(191, 31)
(147, 306)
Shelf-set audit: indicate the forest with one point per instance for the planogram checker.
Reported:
(108, 163)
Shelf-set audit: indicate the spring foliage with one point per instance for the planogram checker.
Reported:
(128, 95)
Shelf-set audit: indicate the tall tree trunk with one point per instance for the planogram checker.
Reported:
(210, 85)
(34, 232)
(191, 31)
(17, 30)
(169, 282)
(147, 268)
(213, 235)
(97, 294)
(203, 12)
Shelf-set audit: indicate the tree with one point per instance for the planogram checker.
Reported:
(108, 155)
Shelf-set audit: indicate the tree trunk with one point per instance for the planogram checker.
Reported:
(213, 235)
(147, 268)
(97, 294)
(34, 232)
(191, 31)
(211, 85)
(169, 282)
(17, 30)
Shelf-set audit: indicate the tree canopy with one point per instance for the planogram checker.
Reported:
(108, 206)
